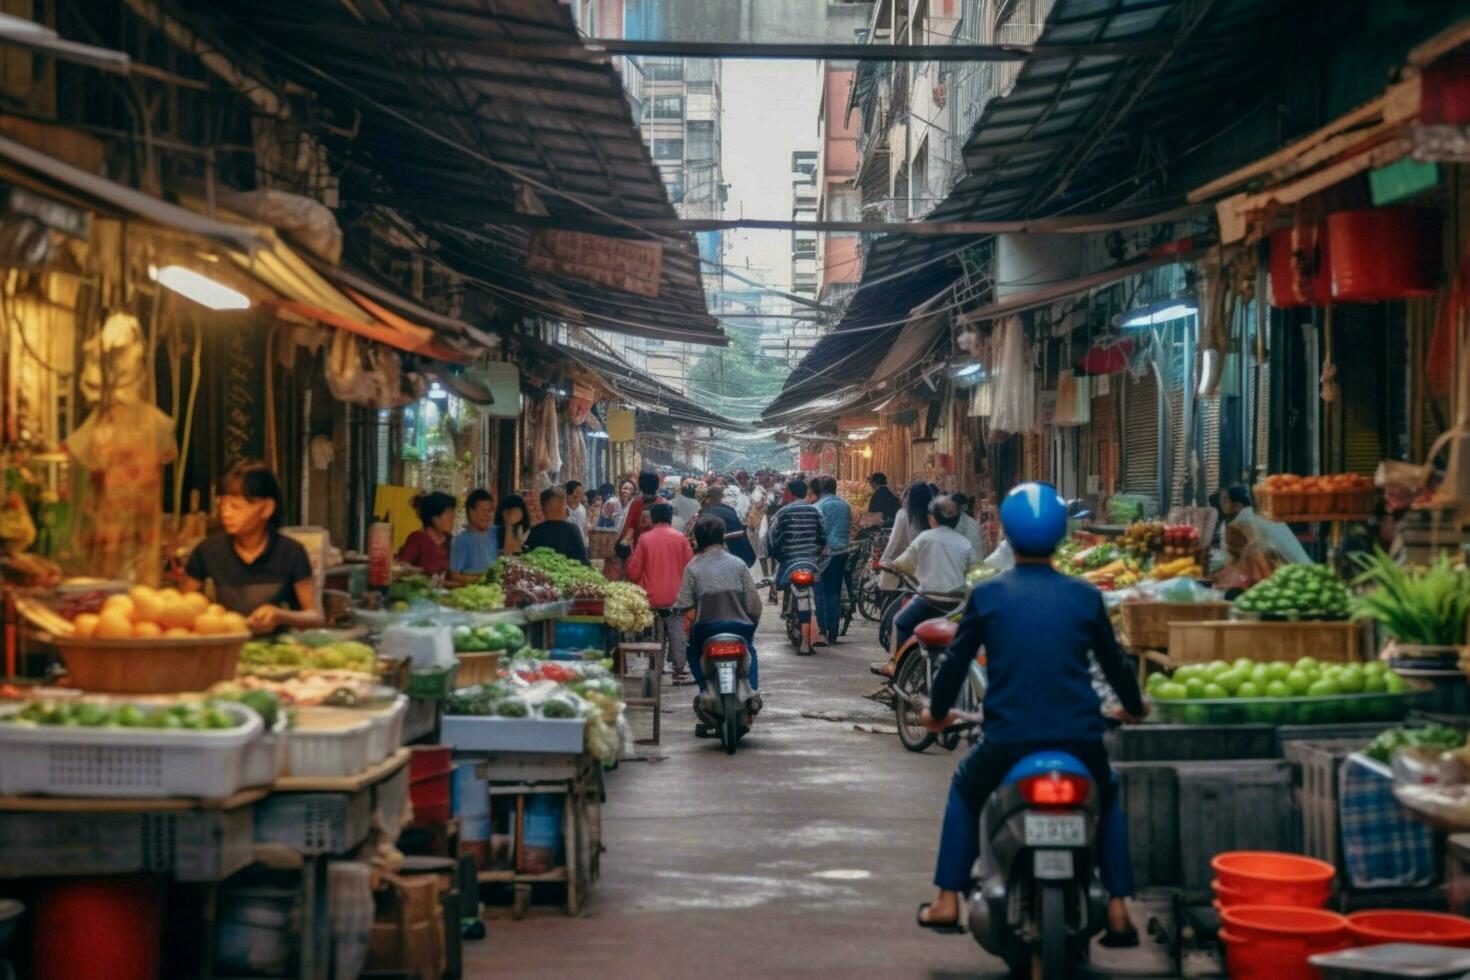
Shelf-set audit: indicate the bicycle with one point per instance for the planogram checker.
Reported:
(912, 686)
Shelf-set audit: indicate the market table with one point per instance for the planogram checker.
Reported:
(297, 824)
(578, 777)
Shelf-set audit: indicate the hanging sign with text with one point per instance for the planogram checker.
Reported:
(619, 263)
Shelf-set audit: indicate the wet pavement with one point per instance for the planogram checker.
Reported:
(805, 854)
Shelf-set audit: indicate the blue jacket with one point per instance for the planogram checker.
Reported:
(1037, 626)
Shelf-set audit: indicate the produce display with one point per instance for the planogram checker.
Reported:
(475, 598)
(1287, 495)
(559, 569)
(493, 639)
(523, 584)
(1181, 541)
(193, 715)
(1306, 692)
(1297, 592)
(289, 655)
(1427, 607)
(1142, 539)
(552, 691)
(405, 590)
(1186, 567)
(146, 613)
(1432, 736)
(627, 607)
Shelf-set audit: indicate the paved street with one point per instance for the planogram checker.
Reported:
(804, 855)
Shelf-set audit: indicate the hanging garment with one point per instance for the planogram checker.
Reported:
(1014, 410)
(545, 455)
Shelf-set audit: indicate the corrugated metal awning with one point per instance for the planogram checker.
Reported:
(463, 137)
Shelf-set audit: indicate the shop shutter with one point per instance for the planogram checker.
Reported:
(1141, 434)
(1260, 402)
(1210, 421)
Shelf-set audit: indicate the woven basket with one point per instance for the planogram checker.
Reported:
(1355, 503)
(1274, 505)
(161, 665)
(1146, 624)
(477, 668)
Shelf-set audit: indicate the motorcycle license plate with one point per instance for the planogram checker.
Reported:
(803, 602)
(1055, 830)
(1052, 865)
(727, 678)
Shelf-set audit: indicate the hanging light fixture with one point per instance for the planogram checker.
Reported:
(1159, 313)
(207, 292)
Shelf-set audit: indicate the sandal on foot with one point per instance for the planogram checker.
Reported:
(1127, 939)
(943, 928)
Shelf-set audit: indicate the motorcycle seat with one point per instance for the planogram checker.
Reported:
(936, 632)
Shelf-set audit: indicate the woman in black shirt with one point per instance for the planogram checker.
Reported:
(257, 571)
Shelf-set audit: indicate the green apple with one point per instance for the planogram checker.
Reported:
(1351, 681)
(1195, 687)
(1278, 689)
(1231, 681)
(1260, 675)
(1215, 668)
(1394, 684)
(1244, 663)
(1307, 663)
(1250, 689)
(1374, 683)
(1171, 692)
(1324, 688)
(1215, 691)
(1298, 681)
(1277, 671)
(1155, 681)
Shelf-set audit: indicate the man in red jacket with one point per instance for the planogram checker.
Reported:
(657, 564)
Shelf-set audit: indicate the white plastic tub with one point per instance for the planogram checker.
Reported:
(325, 746)
(127, 762)
(387, 732)
(479, 733)
(265, 758)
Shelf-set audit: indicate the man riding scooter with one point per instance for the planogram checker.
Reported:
(1037, 627)
(797, 533)
(718, 587)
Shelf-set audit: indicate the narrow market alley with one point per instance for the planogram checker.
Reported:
(803, 855)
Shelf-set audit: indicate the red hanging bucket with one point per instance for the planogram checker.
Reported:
(1384, 253)
(1298, 264)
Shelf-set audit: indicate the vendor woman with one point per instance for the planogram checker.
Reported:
(257, 571)
(427, 549)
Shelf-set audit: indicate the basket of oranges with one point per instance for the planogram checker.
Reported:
(1338, 496)
(152, 641)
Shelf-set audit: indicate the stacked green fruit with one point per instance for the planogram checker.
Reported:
(192, 715)
(1245, 678)
(475, 598)
(1297, 592)
(500, 637)
(562, 571)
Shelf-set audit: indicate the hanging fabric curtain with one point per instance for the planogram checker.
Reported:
(546, 456)
(1014, 408)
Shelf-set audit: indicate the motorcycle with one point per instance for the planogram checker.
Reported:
(1038, 898)
(727, 704)
(913, 680)
(799, 601)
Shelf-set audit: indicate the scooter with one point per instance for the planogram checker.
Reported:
(1038, 899)
(798, 605)
(727, 704)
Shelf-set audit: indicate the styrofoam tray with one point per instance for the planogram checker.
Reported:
(478, 733)
(329, 752)
(127, 762)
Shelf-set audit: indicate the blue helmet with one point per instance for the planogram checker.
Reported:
(1034, 518)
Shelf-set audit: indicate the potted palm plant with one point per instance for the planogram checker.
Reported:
(1423, 610)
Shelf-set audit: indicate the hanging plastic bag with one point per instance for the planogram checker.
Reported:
(1014, 408)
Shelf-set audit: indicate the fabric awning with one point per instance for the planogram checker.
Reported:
(914, 341)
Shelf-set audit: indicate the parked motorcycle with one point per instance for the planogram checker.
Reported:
(799, 601)
(1038, 899)
(728, 703)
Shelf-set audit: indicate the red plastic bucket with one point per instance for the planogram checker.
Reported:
(1279, 958)
(1269, 893)
(430, 777)
(1298, 264)
(1374, 927)
(98, 927)
(1384, 253)
(1314, 926)
(1275, 877)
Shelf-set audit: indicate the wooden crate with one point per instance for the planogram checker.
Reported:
(1146, 624)
(1331, 642)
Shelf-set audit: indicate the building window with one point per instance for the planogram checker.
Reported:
(664, 71)
(674, 183)
(702, 139)
(668, 149)
(667, 106)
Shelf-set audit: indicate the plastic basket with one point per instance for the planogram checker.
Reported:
(127, 762)
(1287, 711)
(314, 823)
(328, 751)
(154, 666)
(265, 758)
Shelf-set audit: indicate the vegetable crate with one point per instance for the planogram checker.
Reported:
(1330, 642)
(1146, 624)
(1317, 794)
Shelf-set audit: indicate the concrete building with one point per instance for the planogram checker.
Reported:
(839, 265)
(804, 208)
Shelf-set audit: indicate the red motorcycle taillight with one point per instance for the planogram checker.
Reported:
(723, 650)
(802, 577)
(1055, 789)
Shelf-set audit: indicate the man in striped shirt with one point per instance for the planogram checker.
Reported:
(797, 532)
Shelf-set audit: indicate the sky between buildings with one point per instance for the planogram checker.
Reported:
(770, 110)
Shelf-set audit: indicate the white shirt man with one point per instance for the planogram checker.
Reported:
(938, 558)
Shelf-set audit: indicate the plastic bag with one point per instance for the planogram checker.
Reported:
(1014, 399)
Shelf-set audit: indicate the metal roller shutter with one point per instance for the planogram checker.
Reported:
(1141, 434)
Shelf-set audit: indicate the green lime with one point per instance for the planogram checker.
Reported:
(1278, 689)
(1351, 681)
(1307, 663)
(1375, 684)
(1260, 675)
(1215, 691)
(1375, 668)
(1231, 681)
(1298, 681)
(1250, 689)
(1324, 688)
(1244, 664)
(1216, 668)
(1171, 692)
(1394, 684)
(1155, 681)
(1195, 688)
(1277, 671)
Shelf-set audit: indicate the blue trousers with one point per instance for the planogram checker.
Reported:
(980, 774)
(703, 631)
(917, 611)
(829, 596)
